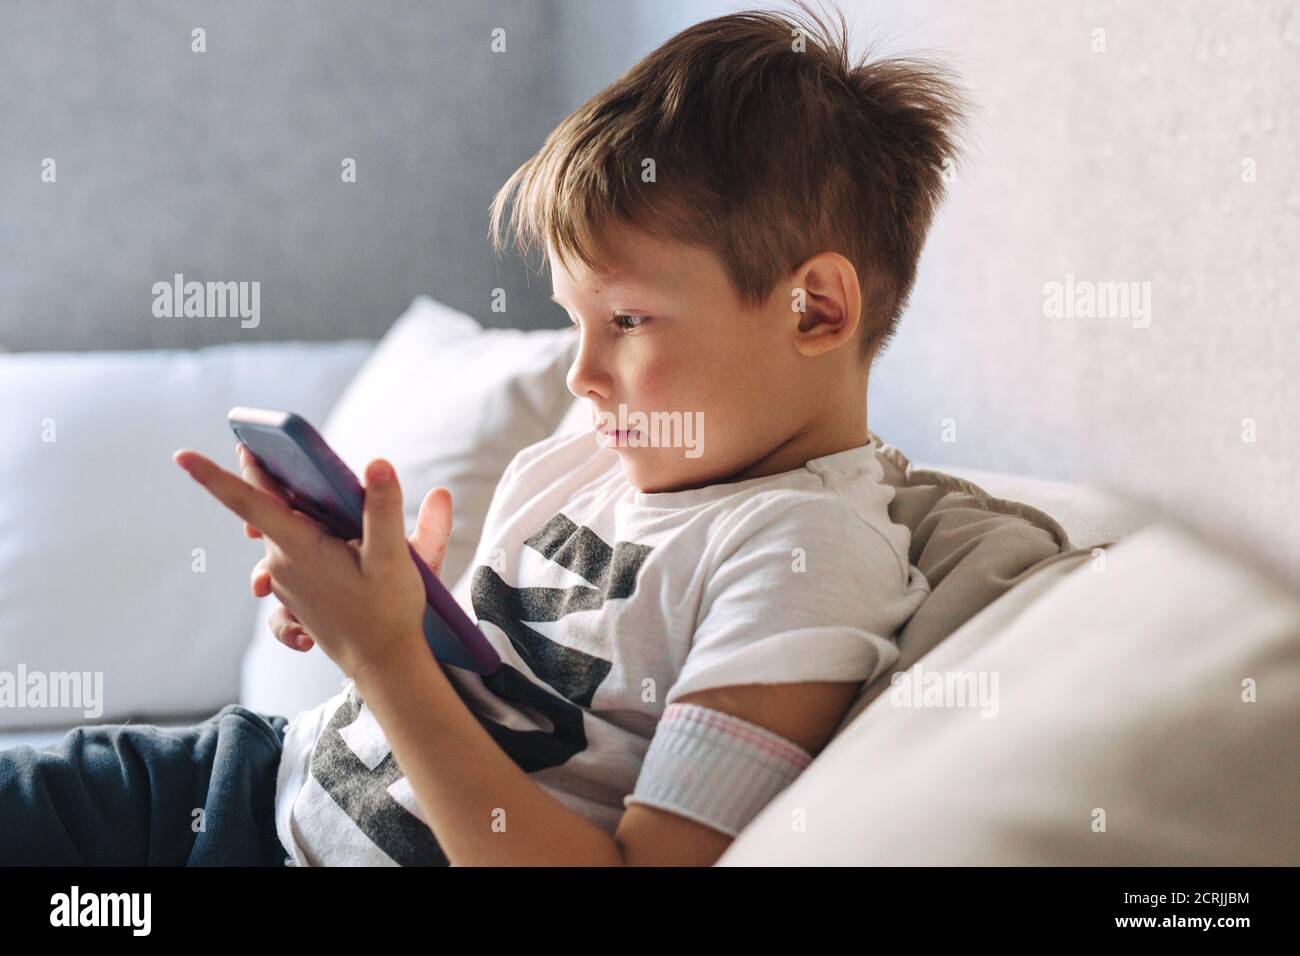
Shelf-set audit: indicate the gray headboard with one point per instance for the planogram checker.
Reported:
(227, 165)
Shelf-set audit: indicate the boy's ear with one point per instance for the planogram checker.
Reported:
(825, 294)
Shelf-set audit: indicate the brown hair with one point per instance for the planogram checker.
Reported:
(764, 153)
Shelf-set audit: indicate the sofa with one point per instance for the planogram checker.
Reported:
(1092, 681)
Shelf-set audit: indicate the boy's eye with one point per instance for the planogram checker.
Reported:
(629, 323)
(625, 323)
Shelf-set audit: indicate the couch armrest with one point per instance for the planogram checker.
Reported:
(113, 565)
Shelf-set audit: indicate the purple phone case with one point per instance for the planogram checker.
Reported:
(317, 482)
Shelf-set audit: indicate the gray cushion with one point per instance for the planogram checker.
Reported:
(970, 546)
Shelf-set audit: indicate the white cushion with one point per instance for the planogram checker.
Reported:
(576, 418)
(1119, 691)
(98, 526)
(449, 403)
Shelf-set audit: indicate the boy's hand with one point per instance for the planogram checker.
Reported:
(432, 531)
(362, 601)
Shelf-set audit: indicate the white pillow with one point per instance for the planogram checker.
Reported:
(449, 403)
(98, 526)
(576, 418)
(1119, 691)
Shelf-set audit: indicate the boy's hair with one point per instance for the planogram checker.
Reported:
(769, 146)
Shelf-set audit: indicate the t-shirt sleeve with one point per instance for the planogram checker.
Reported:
(809, 592)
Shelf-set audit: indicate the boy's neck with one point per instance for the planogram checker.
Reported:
(807, 443)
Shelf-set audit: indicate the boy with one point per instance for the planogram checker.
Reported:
(733, 228)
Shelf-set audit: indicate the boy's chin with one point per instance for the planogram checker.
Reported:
(640, 475)
(656, 477)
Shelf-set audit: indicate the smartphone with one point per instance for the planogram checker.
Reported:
(317, 482)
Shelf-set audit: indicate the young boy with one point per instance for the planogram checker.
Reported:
(683, 616)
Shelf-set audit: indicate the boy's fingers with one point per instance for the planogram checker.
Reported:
(383, 530)
(255, 476)
(433, 528)
(262, 510)
(260, 580)
(288, 630)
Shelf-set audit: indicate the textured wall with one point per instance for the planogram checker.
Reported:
(1124, 165)
(226, 165)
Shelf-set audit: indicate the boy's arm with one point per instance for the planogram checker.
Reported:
(804, 713)
(485, 811)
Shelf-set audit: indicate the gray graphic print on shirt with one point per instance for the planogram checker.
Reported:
(568, 679)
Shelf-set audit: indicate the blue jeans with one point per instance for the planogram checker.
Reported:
(139, 795)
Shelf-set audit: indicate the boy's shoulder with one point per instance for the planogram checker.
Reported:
(816, 540)
(836, 506)
(846, 486)
(850, 514)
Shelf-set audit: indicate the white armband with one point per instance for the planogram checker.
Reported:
(714, 767)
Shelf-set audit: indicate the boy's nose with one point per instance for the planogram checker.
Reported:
(586, 378)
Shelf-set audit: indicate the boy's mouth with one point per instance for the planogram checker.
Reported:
(615, 438)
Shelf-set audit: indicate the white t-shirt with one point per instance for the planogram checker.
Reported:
(607, 604)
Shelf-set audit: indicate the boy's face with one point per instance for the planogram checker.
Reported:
(732, 374)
